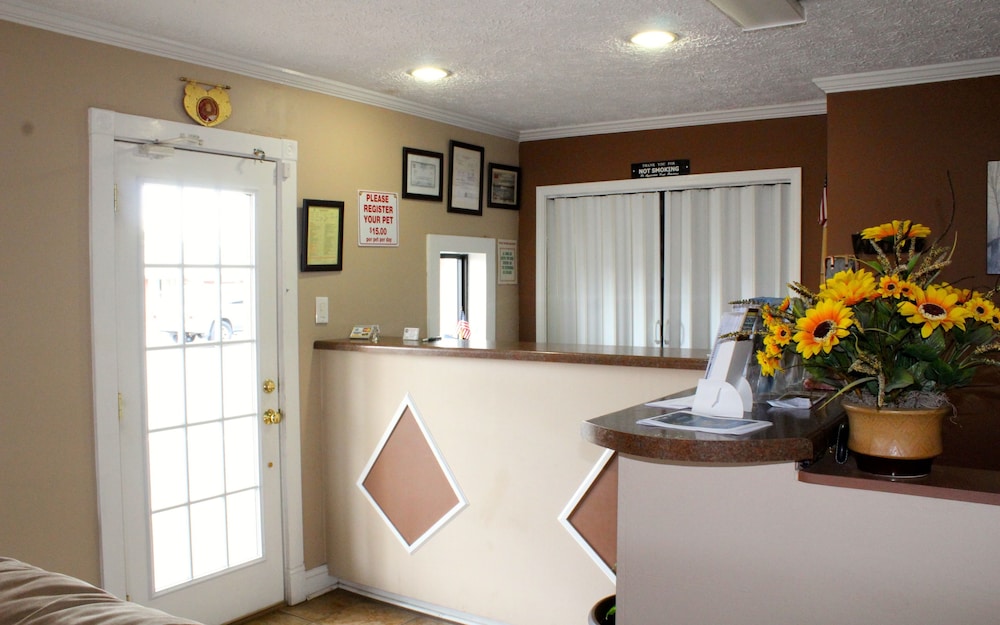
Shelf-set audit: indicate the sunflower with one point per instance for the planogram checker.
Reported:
(850, 287)
(769, 358)
(916, 231)
(890, 286)
(980, 309)
(822, 327)
(964, 295)
(908, 290)
(934, 307)
(995, 320)
(879, 232)
(885, 329)
(780, 333)
(769, 365)
(896, 229)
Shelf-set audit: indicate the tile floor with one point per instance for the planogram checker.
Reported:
(340, 607)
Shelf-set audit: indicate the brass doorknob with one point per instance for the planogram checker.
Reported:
(272, 417)
(269, 386)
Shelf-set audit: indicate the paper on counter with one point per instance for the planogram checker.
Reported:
(797, 403)
(673, 402)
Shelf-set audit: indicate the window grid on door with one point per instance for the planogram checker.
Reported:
(202, 430)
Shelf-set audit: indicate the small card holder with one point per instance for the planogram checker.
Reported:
(363, 332)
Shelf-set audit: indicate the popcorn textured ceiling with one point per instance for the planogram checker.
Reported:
(539, 64)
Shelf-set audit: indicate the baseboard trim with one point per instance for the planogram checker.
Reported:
(319, 581)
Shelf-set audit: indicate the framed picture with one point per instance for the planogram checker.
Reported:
(321, 246)
(465, 178)
(504, 186)
(423, 175)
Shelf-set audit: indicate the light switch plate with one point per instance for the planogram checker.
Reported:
(322, 310)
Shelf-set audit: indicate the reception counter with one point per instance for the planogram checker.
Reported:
(505, 419)
(796, 435)
(710, 528)
(733, 530)
(647, 357)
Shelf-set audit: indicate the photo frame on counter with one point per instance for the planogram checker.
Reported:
(423, 175)
(504, 183)
(321, 246)
(465, 178)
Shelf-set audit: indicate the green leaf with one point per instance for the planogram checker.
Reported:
(901, 378)
(925, 350)
(979, 334)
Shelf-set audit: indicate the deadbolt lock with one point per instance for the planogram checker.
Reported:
(269, 386)
(272, 417)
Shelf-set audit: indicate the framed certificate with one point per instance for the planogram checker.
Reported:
(422, 174)
(322, 243)
(465, 179)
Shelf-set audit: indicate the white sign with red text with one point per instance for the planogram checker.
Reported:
(378, 219)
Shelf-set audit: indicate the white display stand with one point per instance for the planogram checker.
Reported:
(724, 392)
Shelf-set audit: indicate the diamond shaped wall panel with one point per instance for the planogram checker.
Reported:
(591, 517)
(408, 481)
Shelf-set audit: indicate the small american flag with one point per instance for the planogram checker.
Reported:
(463, 330)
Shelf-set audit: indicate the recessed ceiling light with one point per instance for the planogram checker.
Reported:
(654, 39)
(429, 74)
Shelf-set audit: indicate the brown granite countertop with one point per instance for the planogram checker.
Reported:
(656, 357)
(944, 482)
(799, 435)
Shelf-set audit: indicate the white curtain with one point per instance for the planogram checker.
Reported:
(722, 245)
(603, 270)
(603, 262)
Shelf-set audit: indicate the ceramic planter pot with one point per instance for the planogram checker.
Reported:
(895, 442)
(599, 613)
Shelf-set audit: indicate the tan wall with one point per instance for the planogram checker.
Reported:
(48, 501)
(510, 433)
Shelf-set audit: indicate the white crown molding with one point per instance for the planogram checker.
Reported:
(22, 13)
(910, 76)
(814, 107)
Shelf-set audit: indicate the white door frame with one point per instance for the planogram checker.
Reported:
(105, 128)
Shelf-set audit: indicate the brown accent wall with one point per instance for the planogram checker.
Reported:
(890, 151)
(890, 154)
(765, 144)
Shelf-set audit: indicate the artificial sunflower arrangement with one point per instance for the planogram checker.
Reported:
(886, 331)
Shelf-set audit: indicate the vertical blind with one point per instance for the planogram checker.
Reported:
(721, 245)
(621, 270)
(603, 273)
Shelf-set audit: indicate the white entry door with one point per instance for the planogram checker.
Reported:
(196, 290)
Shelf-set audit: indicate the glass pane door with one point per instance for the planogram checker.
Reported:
(201, 376)
(197, 265)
